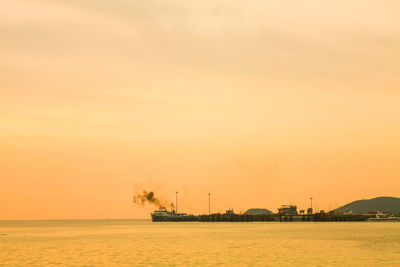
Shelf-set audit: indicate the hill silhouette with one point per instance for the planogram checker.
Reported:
(383, 204)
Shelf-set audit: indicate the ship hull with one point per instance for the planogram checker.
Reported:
(174, 218)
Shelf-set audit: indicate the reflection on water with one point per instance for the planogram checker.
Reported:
(141, 242)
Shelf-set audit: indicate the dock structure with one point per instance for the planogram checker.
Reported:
(321, 217)
(230, 216)
(317, 217)
(286, 213)
(218, 217)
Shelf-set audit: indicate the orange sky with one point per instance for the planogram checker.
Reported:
(256, 102)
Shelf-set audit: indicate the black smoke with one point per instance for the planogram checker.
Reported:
(149, 197)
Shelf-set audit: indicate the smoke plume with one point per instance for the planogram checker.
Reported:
(148, 197)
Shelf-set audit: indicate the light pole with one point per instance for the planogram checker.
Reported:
(311, 202)
(209, 203)
(176, 201)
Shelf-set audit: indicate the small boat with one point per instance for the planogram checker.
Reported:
(381, 218)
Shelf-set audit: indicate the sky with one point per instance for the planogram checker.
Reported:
(261, 103)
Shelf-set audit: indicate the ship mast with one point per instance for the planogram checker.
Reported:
(209, 203)
(176, 201)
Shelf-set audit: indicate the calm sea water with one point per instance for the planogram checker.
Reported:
(143, 243)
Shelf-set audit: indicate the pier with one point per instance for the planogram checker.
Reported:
(232, 217)
(286, 213)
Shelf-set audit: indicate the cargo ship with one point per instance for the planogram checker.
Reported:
(172, 216)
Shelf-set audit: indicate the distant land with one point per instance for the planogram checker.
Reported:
(383, 204)
(258, 212)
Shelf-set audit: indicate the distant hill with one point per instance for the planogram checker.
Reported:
(258, 212)
(384, 204)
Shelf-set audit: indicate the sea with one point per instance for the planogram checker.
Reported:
(144, 243)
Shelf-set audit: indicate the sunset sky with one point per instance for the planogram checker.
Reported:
(258, 102)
